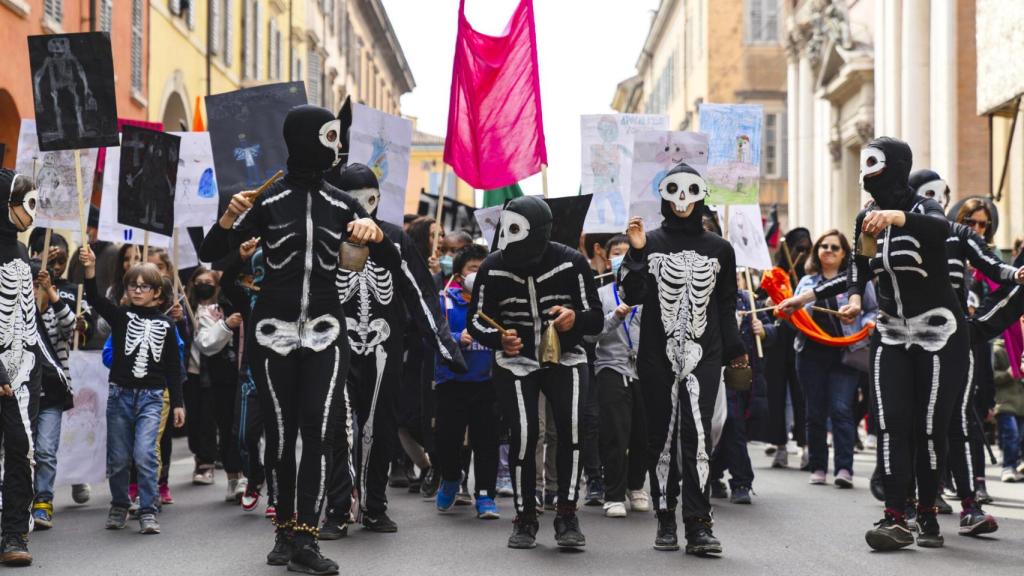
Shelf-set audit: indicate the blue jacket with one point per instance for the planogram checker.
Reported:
(478, 357)
(868, 306)
(108, 350)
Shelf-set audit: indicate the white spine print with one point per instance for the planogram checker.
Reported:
(686, 281)
(374, 283)
(18, 330)
(144, 337)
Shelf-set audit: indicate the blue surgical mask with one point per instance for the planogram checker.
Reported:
(446, 263)
(617, 263)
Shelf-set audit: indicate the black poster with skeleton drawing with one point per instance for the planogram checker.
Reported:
(73, 89)
(149, 170)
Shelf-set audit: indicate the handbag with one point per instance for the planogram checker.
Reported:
(859, 359)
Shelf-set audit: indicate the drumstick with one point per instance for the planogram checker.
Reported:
(256, 193)
(491, 321)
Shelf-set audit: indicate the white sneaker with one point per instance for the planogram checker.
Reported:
(1009, 475)
(805, 458)
(871, 442)
(615, 509)
(240, 488)
(229, 495)
(639, 500)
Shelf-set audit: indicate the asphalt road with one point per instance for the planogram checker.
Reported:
(791, 528)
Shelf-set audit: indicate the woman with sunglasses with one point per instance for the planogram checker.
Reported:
(829, 384)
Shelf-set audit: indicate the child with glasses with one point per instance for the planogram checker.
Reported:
(145, 362)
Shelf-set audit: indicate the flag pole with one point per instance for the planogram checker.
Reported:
(544, 178)
(440, 207)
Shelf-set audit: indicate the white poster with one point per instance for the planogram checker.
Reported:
(110, 229)
(487, 219)
(195, 195)
(607, 159)
(54, 173)
(383, 142)
(82, 456)
(654, 154)
(746, 233)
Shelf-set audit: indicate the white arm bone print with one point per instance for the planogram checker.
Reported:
(685, 282)
(18, 332)
(147, 336)
(373, 282)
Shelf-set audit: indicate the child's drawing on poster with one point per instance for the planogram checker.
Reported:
(54, 173)
(734, 151)
(654, 154)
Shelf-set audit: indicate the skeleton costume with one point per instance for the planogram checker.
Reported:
(685, 278)
(378, 303)
(919, 353)
(297, 350)
(517, 286)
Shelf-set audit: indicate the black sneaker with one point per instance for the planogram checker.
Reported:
(117, 518)
(929, 535)
(284, 547)
(981, 495)
(942, 505)
(307, 558)
(379, 523)
(975, 522)
(595, 492)
(15, 550)
(539, 499)
(699, 539)
(741, 495)
(430, 484)
(719, 489)
(877, 487)
(567, 528)
(397, 478)
(334, 529)
(889, 534)
(524, 532)
(910, 517)
(550, 500)
(666, 538)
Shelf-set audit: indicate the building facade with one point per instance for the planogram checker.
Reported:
(426, 161)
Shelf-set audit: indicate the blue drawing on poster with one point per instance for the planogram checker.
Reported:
(248, 154)
(605, 163)
(207, 185)
(734, 151)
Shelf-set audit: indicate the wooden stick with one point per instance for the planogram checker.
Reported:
(263, 187)
(789, 257)
(440, 208)
(81, 197)
(544, 178)
(44, 260)
(759, 310)
(145, 247)
(605, 275)
(827, 311)
(78, 314)
(177, 281)
(491, 321)
(753, 304)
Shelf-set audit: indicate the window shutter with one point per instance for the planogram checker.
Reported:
(215, 38)
(175, 7)
(313, 78)
(229, 31)
(136, 38)
(258, 64)
(106, 15)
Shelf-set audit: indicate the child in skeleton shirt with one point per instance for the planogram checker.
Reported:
(529, 283)
(685, 277)
(298, 352)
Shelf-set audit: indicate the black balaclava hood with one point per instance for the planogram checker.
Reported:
(312, 135)
(524, 231)
(929, 184)
(8, 231)
(884, 172)
(681, 187)
(360, 182)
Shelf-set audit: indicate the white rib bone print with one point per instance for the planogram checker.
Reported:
(146, 336)
(374, 283)
(17, 320)
(686, 281)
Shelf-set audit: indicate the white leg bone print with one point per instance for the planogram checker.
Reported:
(146, 336)
(17, 321)
(374, 283)
(685, 282)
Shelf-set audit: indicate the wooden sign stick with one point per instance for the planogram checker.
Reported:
(753, 305)
(145, 247)
(81, 197)
(440, 208)
(78, 314)
(492, 322)
(44, 260)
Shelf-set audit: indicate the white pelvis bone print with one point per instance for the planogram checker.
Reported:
(373, 283)
(17, 321)
(147, 336)
(685, 282)
(929, 330)
(284, 337)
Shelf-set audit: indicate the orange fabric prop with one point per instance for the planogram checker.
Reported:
(776, 283)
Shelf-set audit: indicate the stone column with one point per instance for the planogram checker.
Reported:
(943, 105)
(915, 80)
(805, 142)
(792, 133)
(887, 68)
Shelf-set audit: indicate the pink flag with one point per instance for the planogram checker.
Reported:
(495, 129)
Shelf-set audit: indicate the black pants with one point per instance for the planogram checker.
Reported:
(461, 405)
(679, 413)
(731, 453)
(301, 393)
(916, 391)
(564, 388)
(248, 428)
(211, 411)
(592, 432)
(16, 416)
(780, 372)
(623, 434)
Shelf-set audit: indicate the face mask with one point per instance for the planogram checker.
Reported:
(446, 264)
(468, 281)
(617, 263)
(369, 198)
(205, 291)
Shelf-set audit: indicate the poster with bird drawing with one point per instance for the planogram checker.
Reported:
(654, 154)
(382, 142)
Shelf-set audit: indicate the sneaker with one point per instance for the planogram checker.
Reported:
(524, 532)
(844, 479)
(504, 486)
(805, 460)
(817, 478)
(397, 477)
(981, 495)
(148, 524)
(770, 449)
(203, 476)
(741, 495)
(639, 500)
(666, 538)
(42, 515)
(271, 512)
(81, 493)
(334, 529)
(15, 550)
(133, 509)
(133, 491)
(942, 505)
(379, 523)
(307, 558)
(877, 487)
(615, 509)
(463, 497)
(719, 489)
(486, 509)
(781, 460)
(910, 517)
(284, 544)
(229, 494)
(595, 492)
(975, 522)
(1020, 467)
(929, 535)
(889, 533)
(699, 539)
(871, 442)
(539, 498)
(117, 518)
(1009, 475)
(567, 528)
(251, 497)
(550, 500)
(446, 495)
(430, 484)
(165, 494)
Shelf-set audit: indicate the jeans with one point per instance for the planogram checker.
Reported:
(830, 390)
(1010, 426)
(46, 443)
(133, 430)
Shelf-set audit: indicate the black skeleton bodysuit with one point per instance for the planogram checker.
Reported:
(685, 277)
(299, 356)
(378, 303)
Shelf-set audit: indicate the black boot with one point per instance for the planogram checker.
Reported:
(284, 543)
(666, 538)
(890, 533)
(567, 527)
(928, 535)
(334, 528)
(524, 531)
(699, 539)
(307, 558)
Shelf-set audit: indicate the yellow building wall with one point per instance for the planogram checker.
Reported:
(422, 163)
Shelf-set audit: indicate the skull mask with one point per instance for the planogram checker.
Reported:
(884, 172)
(359, 181)
(313, 136)
(683, 189)
(929, 184)
(524, 231)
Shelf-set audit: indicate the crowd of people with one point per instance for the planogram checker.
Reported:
(629, 372)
